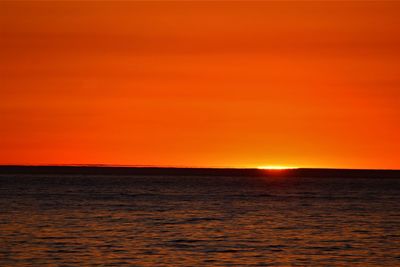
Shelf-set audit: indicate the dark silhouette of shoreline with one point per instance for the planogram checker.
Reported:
(167, 171)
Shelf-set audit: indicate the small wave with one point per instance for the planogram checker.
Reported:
(201, 219)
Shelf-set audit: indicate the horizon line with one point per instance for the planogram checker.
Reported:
(188, 167)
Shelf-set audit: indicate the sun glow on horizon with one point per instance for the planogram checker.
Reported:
(276, 167)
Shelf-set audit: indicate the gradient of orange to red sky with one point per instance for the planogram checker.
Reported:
(240, 84)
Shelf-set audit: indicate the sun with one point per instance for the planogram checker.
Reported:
(276, 167)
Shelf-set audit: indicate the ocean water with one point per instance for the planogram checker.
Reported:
(198, 221)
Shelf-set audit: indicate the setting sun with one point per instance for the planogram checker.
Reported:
(276, 167)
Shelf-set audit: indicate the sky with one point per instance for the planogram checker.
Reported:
(201, 84)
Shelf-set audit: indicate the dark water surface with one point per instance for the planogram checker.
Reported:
(198, 221)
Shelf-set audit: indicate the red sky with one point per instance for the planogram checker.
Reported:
(237, 84)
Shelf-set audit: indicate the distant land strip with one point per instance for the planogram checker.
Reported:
(168, 171)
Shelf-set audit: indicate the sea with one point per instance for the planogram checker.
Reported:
(106, 220)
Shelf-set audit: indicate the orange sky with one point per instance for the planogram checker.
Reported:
(239, 84)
